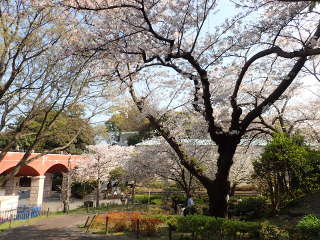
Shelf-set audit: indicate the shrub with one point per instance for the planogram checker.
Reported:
(309, 227)
(249, 208)
(81, 189)
(271, 232)
(235, 228)
(170, 220)
(181, 199)
(204, 227)
(205, 211)
(149, 225)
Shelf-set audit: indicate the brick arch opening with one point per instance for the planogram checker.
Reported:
(57, 168)
(24, 171)
(53, 179)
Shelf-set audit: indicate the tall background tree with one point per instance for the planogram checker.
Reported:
(64, 128)
(127, 118)
(40, 78)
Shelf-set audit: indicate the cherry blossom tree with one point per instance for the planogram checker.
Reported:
(171, 45)
(159, 160)
(101, 159)
(137, 173)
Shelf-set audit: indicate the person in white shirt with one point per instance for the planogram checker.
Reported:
(190, 202)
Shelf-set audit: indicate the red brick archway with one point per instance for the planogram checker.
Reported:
(40, 166)
(40, 170)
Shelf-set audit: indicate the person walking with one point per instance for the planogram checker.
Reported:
(189, 208)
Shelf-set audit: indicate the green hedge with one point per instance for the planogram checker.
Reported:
(268, 231)
(144, 199)
(202, 227)
(249, 208)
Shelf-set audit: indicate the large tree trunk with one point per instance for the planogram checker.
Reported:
(66, 191)
(219, 189)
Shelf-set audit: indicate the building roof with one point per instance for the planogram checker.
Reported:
(200, 142)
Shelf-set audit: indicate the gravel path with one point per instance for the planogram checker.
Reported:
(53, 228)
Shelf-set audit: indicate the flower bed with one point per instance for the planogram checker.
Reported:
(137, 222)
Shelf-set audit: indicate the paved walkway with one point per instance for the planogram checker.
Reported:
(53, 228)
(55, 204)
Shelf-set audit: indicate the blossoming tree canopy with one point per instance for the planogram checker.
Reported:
(102, 159)
(167, 46)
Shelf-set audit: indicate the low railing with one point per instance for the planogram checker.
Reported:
(22, 213)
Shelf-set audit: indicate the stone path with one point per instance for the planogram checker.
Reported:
(53, 228)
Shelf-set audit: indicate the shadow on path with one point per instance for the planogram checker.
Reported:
(34, 233)
(53, 228)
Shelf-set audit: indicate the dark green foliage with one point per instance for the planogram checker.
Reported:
(81, 189)
(63, 129)
(117, 174)
(197, 227)
(204, 227)
(117, 178)
(308, 227)
(287, 169)
(249, 208)
(312, 172)
(135, 139)
(128, 119)
(140, 136)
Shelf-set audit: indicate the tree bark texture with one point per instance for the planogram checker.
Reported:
(219, 189)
